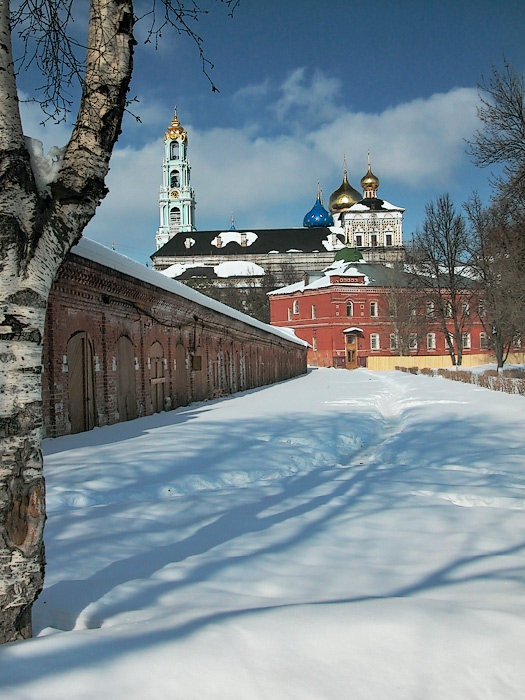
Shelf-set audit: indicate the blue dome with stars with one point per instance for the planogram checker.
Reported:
(318, 216)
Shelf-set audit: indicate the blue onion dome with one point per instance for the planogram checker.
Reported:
(318, 216)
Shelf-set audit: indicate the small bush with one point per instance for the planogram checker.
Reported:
(427, 371)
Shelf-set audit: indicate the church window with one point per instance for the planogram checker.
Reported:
(388, 239)
(431, 341)
(314, 311)
(374, 341)
(349, 308)
(373, 239)
(175, 179)
(174, 150)
(175, 218)
(483, 341)
(374, 311)
(296, 306)
(359, 240)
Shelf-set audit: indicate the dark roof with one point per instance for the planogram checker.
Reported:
(306, 240)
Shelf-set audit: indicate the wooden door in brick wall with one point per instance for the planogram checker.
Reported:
(126, 383)
(82, 413)
(181, 375)
(158, 380)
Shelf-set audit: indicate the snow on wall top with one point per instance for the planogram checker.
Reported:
(236, 236)
(96, 252)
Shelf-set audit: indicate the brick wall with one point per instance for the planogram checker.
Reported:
(116, 347)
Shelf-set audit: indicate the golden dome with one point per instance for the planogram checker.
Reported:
(175, 130)
(344, 197)
(369, 181)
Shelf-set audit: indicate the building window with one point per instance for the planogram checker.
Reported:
(359, 240)
(449, 341)
(174, 179)
(314, 312)
(296, 306)
(174, 150)
(465, 308)
(349, 308)
(374, 308)
(448, 309)
(374, 341)
(517, 341)
(373, 239)
(388, 239)
(483, 341)
(412, 341)
(314, 344)
(465, 339)
(289, 313)
(481, 309)
(430, 309)
(394, 341)
(431, 341)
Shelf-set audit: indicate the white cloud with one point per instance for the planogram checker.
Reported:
(267, 175)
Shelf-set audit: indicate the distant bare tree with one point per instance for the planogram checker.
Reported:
(441, 252)
(498, 255)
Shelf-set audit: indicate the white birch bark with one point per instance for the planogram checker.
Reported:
(36, 233)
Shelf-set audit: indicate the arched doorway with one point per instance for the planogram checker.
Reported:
(158, 379)
(126, 384)
(82, 412)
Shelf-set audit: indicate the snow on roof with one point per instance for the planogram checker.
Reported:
(177, 269)
(289, 288)
(353, 329)
(96, 252)
(235, 237)
(238, 268)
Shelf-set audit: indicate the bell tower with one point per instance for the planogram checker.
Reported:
(176, 198)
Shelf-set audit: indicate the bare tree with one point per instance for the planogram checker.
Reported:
(497, 259)
(404, 303)
(42, 214)
(502, 138)
(441, 252)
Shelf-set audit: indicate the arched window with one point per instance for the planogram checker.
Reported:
(174, 150)
(175, 218)
(349, 308)
(175, 179)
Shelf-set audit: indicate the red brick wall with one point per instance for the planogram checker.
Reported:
(105, 304)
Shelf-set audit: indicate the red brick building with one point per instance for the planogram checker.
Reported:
(122, 341)
(355, 311)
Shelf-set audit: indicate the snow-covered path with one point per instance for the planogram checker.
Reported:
(340, 535)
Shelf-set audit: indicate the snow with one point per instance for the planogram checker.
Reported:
(235, 237)
(339, 535)
(45, 167)
(238, 268)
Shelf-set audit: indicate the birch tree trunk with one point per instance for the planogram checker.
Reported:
(38, 226)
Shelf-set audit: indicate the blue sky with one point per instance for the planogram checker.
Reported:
(304, 84)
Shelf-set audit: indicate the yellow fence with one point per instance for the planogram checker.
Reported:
(438, 361)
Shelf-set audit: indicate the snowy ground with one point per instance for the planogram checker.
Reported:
(340, 535)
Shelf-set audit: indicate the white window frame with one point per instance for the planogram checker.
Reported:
(295, 306)
(412, 341)
(465, 341)
(431, 341)
(374, 309)
(314, 311)
(430, 309)
(350, 305)
(483, 341)
(394, 341)
(374, 341)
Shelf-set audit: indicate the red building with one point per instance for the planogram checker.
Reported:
(356, 311)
